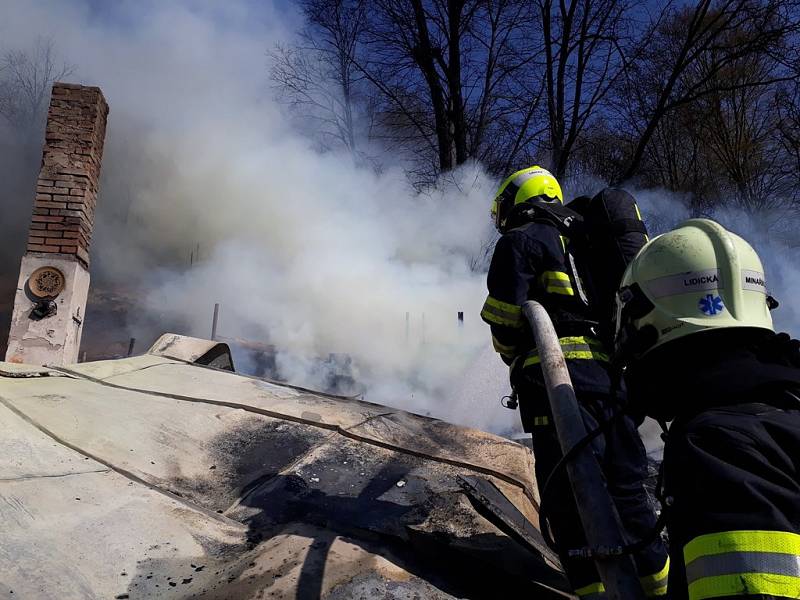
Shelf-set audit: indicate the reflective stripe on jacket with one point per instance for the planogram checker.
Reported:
(743, 563)
(502, 313)
(734, 520)
(557, 282)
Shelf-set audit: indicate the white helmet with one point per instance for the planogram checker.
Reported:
(695, 278)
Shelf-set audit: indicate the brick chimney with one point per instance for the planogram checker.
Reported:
(53, 285)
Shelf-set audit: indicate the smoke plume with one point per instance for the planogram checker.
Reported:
(209, 196)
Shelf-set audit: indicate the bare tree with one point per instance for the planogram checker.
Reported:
(584, 43)
(317, 77)
(738, 127)
(697, 98)
(26, 78)
(440, 82)
(724, 148)
(788, 129)
(413, 59)
(447, 74)
(676, 157)
(713, 33)
(505, 125)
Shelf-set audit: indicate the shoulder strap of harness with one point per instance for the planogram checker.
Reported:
(568, 222)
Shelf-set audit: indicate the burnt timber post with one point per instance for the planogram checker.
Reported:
(53, 285)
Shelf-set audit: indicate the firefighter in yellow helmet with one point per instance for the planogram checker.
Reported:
(531, 262)
(694, 328)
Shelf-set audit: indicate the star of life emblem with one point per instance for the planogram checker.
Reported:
(711, 305)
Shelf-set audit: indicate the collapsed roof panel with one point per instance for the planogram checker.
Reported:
(150, 474)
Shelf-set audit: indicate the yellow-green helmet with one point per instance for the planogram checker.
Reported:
(695, 278)
(533, 184)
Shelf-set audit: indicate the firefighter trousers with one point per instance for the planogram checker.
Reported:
(623, 460)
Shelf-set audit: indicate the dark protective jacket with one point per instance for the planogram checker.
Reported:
(731, 462)
(531, 262)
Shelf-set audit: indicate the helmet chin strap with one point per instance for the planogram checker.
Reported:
(519, 215)
(632, 304)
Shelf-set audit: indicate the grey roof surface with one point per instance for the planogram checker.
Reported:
(156, 476)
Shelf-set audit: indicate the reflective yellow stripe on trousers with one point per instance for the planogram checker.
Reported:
(656, 584)
(580, 347)
(740, 563)
(594, 591)
(653, 586)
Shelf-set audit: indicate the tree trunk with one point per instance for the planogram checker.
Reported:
(424, 57)
(454, 8)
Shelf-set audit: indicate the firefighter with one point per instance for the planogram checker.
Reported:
(531, 262)
(694, 328)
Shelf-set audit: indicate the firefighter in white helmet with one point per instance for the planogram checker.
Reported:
(694, 328)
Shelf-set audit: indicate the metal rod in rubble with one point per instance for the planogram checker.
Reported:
(598, 514)
(214, 322)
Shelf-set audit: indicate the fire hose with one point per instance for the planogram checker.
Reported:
(598, 514)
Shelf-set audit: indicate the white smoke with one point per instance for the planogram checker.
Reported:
(303, 251)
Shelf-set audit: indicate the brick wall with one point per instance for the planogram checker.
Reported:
(66, 191)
